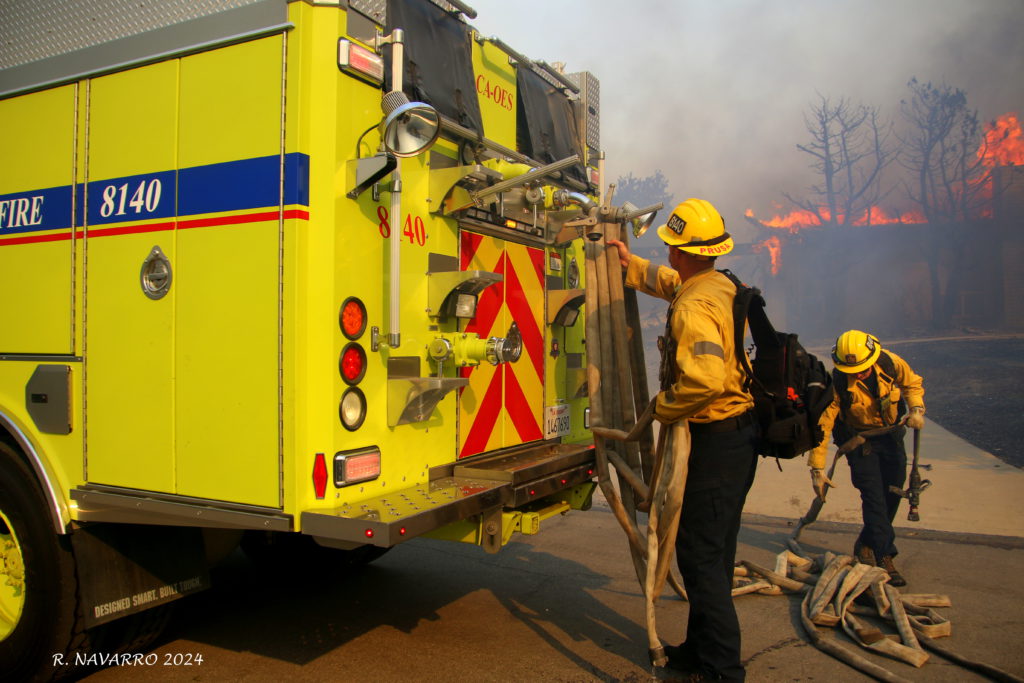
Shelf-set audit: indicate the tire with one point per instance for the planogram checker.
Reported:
(39, 615)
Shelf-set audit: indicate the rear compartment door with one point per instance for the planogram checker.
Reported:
(503, 405)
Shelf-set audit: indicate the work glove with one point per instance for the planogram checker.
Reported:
(916, 418)
(820, 482)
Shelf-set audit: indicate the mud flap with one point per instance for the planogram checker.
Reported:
(127, 568)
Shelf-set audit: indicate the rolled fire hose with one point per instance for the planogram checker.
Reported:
(611, 410)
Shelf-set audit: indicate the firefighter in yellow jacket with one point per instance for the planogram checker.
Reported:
(873, 388)
(702, 384)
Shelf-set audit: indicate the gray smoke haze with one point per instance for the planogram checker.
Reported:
(713, 93)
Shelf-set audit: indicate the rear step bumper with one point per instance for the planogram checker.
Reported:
(508, 479)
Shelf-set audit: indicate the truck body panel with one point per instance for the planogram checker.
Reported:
(197, 255)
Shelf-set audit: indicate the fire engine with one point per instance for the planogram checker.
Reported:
(299, 274)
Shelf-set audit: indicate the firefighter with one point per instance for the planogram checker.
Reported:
(873, 389)
(702, 384)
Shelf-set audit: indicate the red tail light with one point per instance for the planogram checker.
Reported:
(353, 363)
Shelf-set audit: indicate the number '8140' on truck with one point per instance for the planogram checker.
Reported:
(298, 275)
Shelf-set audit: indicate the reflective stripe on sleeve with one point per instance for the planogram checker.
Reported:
(651, 281)
(707, 348)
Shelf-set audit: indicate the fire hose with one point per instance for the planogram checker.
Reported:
(645, 484)
(831, 601)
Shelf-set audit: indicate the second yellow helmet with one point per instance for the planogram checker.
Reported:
(855, 351)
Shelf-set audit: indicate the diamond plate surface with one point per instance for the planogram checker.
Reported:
(374, 9)
(590, 96)
(378, 9)
(30, 31)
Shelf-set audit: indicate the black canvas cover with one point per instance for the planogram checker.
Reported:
(546, 123)
(438, 60)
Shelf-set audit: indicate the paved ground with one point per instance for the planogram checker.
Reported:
(974, 387)
(972, 491)
(565, 605)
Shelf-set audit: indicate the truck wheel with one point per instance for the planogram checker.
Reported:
(38, 590)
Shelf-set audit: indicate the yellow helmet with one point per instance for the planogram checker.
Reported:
(695, 226)
(855, 351)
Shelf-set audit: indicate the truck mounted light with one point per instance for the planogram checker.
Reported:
(352, 409)
(409, 127)
(352, 318)
(352, 363)
(639, 219)
(354, 467)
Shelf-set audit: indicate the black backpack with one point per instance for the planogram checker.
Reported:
(791, 388)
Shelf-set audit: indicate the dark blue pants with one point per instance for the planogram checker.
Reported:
(721, 471)
(884, 464)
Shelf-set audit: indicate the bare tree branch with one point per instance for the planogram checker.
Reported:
(849, 147)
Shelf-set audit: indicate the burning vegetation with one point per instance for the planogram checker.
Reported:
(1002, 145)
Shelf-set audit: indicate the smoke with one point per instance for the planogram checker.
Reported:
(713, 94)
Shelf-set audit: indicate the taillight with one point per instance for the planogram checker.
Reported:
(352, 363)
(354, 467)
(352, 410)
(352, 318)
(359, 61)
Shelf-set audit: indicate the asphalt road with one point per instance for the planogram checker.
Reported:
(974, 387)
(564, 605)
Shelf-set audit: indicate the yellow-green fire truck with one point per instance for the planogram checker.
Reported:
(295, 273)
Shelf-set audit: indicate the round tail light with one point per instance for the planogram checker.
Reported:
(352, 363)
(352, 318)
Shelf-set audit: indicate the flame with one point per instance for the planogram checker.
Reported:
(798, 219)
(876, 215)
(1004, 142)
(793, 221)
(774, 246)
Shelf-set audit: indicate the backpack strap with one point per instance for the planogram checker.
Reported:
(748, 306)
(841, 382)
(740, 310)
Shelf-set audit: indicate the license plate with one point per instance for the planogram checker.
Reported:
(556, 421)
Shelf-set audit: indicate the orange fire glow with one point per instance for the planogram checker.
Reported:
(774, 246)
(1004, 142)
(798, 219)
(792, 221)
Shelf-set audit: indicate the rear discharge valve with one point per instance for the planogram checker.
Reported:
(466, 348)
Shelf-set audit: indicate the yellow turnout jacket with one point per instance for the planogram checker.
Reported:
(709, 382)
(865, 408)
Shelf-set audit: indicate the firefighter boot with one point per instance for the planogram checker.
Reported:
(681, 658)
(864, 555)
(895, 578)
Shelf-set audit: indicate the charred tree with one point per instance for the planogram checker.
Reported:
(944, 147)
(849, 148)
